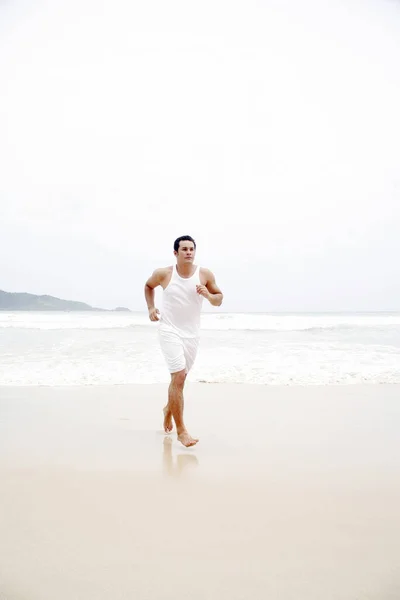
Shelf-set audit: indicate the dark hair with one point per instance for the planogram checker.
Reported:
(183, 238)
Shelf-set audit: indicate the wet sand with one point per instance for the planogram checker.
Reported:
(292, 493)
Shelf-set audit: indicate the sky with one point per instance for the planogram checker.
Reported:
(268, 130)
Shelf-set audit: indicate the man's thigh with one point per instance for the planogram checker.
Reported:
(190, 346)
(172, 347)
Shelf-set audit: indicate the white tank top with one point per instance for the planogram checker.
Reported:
(182, 305)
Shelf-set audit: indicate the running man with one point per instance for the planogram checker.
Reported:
(185, 285)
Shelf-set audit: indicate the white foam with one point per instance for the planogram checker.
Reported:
(210, 321)
(296, 322)
(111, 348)
(71, 320)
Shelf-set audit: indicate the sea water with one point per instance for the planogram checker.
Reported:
(95, 348)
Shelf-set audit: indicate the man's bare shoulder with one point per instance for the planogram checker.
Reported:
(159, 276)
(163, 271)
(206, 273)
(163, 274)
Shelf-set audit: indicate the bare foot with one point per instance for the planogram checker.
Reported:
(167, 420)
(187, 439)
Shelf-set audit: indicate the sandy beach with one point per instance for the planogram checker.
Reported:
(292, 493)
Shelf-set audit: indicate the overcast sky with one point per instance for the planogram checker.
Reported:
(269, 130)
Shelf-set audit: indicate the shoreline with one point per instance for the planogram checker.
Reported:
(201, 383)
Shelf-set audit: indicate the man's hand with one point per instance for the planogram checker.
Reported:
(203, 291)
(153, 314)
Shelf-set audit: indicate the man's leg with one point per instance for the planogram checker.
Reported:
(168, 426)
(172, 349)
(175, 406)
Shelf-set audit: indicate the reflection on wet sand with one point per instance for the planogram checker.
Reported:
(183, 462)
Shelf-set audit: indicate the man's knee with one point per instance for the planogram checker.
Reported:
(178, 378)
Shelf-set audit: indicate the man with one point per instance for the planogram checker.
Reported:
(185, 285)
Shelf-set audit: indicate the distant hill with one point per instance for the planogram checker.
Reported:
(23, 301)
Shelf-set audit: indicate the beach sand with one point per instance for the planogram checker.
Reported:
(291, 494)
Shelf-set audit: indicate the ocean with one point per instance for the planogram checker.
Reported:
(97, 348)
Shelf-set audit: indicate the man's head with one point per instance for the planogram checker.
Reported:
(185, 248)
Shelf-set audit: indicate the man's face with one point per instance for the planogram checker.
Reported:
(186, 251)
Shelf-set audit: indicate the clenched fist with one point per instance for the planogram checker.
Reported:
(203, 291)
(153, 314)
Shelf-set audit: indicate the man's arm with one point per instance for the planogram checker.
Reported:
(153, 282)
(210, 290)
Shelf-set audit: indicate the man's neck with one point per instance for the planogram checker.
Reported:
(185, 270)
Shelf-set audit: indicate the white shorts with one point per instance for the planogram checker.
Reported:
(179, 353)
